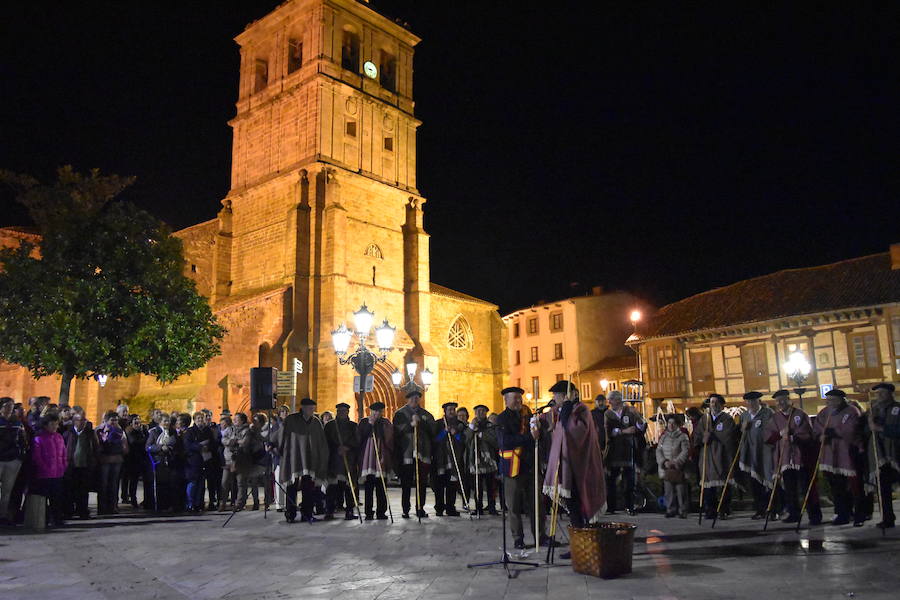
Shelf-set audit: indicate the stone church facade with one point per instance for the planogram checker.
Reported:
(323, 216)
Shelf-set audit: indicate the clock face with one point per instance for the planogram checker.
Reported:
(370, 69)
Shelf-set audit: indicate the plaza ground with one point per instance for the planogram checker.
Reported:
(138, 556)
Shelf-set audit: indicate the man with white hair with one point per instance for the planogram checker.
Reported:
(623, 425)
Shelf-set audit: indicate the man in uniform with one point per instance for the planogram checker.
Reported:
(882, 427)
(755, 454)
(483, 463)
(598, 413)
(789, 431)
(717, 432)
(623, 424)
(449, 450)
(340, 433)
(838, 427)
(375, 463)
(303, 451)
(517, 464)
(413, 427)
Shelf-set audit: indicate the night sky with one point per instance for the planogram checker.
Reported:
(647, 147)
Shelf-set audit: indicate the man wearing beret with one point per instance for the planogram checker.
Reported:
(303, 452)
(449, 449)
(481, 435)
(789, 432)
(516, 464)
(755, 455)
(882, 432)
(376, 462)
(839, 429)
(413, 428)
(623, 426)
(718, 433)
(343, 447)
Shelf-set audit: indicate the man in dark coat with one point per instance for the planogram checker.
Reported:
(481, 459)
(623, 425)
(716, 438)
(196, 441)
(413, 428)
(449, 450)
(376, 442)
(882, 429)
(598, 413)
(303, 452)
(343, 447)
(755, 454)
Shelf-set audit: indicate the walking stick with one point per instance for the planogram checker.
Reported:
(416, 458)
(554, 509)
(728, 477)
(878, 483)
(462, 490)
(813, 475)
(337, 428)
(703, 471)
(381, 473)
(478, 510)
(777, 475)
(537, 491)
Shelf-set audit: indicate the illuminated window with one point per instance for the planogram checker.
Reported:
(460, 334)
(585, 391)
(295, 55)
(350, 52)
(702, 372)
(895, 336)
(260, 75)
(791, 346)
(865, 359)
(755, 366)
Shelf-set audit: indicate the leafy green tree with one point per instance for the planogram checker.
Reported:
(104, 293)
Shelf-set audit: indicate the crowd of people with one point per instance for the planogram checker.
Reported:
(585, 462)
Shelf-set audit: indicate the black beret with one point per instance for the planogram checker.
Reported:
(412, 393)
(752, 396)
(449, 405)
(884, 386)
(561, 386)
(376, 406)
(780, 393)
(511, 389)
(719, 397)
(342, 405)
(599, 397)
(836, 392)
(307, 402)
(477, 406)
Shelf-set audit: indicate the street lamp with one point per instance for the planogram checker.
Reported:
(412, 367)
(604, 383)
(797, 369)
(635, 316)
(362, 359)
(101, 379)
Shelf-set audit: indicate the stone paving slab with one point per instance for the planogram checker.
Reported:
(138, 556)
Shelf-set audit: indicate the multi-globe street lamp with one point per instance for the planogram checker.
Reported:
(797, 369)
(426, 376)
(362, 359)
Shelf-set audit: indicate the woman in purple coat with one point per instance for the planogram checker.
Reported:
(48, 466)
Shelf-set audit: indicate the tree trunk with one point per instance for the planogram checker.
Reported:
(64, 387)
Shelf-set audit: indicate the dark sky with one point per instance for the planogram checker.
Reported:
(649, 147)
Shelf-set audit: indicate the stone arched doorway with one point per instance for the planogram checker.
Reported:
(383, 390)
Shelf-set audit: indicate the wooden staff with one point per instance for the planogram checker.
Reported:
(878, 480)
(337, 428)
(728, 476)
(478, 511)
(703, 471)
(462, 490)
(416, 458)
(381, 473)
(554, 509)
(537, 490)
(777, 475)
(813, 475)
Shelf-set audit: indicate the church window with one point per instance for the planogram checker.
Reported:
(351, 128)
(374, 251)
(260, 75)
(460, 334)
(295, 55)
(388, 70)
(350, 52)
(389, 144)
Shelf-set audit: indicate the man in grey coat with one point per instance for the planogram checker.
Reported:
(755, 454)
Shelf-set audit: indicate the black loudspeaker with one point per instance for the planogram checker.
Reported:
(262, 388)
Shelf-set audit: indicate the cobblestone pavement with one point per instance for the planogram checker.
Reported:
(136, 556)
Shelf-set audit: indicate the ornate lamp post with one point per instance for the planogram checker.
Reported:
(426, 376)
(362, 359)
(797, 369)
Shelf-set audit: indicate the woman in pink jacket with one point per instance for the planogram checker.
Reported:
(48, 465)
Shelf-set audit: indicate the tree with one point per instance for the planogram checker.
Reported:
(104, 292)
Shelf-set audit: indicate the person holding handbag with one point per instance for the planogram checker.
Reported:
(671, 456)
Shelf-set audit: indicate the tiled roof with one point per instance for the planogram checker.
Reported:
(613, 362)
(445, 291)
(857, 282)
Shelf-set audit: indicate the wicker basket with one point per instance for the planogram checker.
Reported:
(602, 550)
